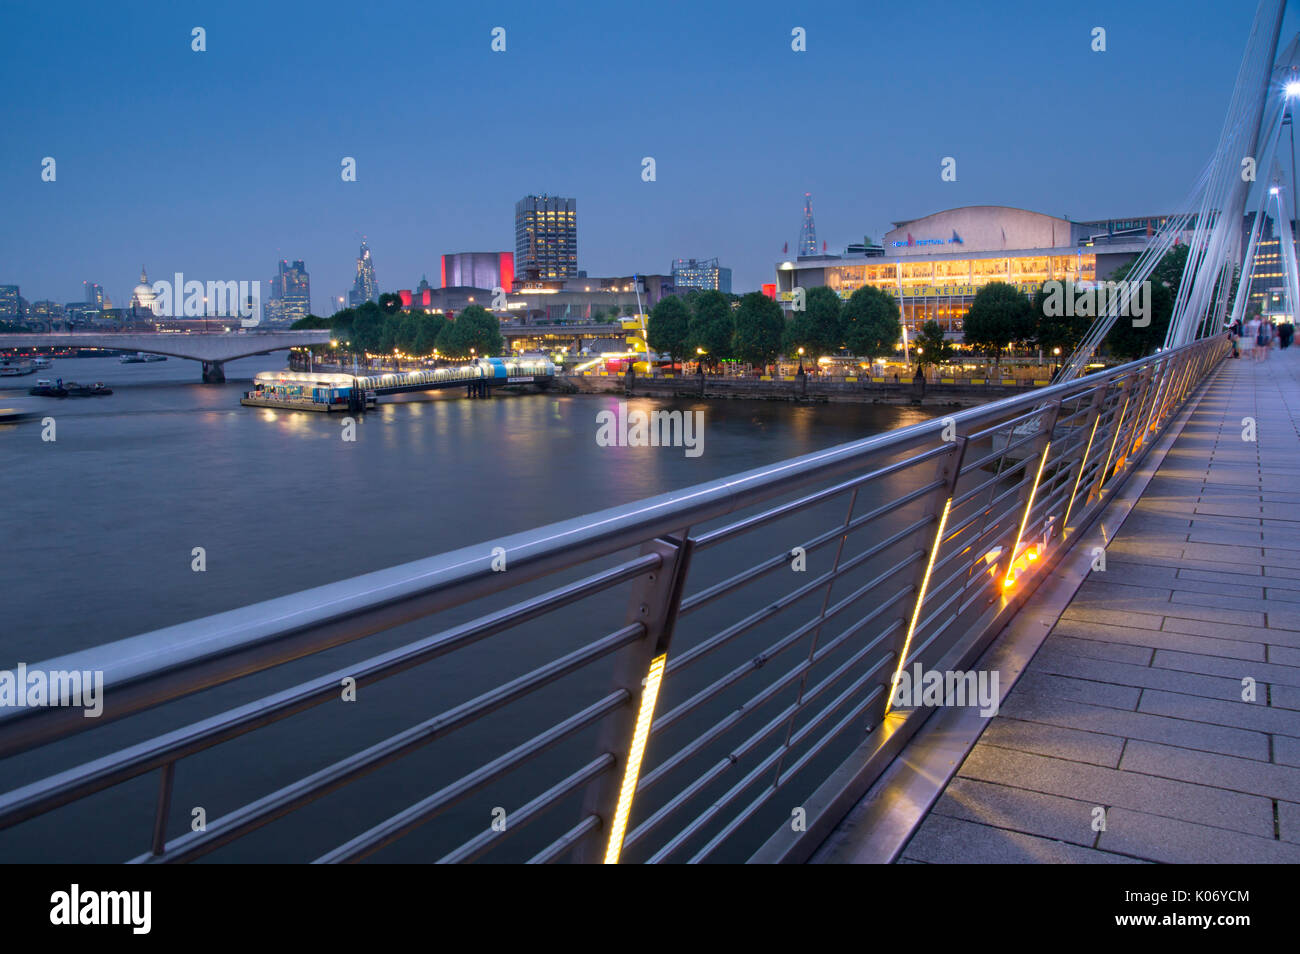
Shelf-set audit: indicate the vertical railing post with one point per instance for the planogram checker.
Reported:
(939, 502)
(165, 783)
(654, 602)
(1028, 492)
(1137, 428)
(1094, 415)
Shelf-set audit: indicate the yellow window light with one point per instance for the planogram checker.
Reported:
(632, 774)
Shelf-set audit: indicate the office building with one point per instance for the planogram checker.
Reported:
(546, 237)
(365, 288)
(707, 274)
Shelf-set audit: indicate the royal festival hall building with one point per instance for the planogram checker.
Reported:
(936, 264)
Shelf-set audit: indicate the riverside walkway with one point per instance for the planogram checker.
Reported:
(1132, 712)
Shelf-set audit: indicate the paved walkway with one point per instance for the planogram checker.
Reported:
(1134, 704)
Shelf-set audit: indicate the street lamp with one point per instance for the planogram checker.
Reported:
(801, 360)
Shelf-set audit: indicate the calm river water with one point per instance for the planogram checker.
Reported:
(100, 524)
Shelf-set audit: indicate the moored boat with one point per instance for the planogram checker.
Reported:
(45, 388)
(98, 389)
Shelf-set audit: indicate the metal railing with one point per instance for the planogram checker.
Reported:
(684, 678)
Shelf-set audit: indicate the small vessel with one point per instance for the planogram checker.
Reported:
(13, 367)
(45, 388)
(98, 389)
(141, 357)
(42, 364)
(150, 358)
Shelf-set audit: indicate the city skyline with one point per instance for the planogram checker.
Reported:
(1096, 141)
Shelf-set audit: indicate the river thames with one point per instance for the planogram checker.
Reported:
(103, 521)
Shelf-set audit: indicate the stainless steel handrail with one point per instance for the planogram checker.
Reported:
(955, 526)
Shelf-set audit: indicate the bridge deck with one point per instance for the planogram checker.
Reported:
(1134, 701)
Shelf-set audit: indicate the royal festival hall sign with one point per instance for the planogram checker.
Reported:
(914, 242)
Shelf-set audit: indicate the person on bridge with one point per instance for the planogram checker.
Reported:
(1249, 334)
(1264, 341)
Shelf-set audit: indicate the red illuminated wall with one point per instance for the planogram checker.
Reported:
(507, 266)
(769, 291)
(426, 298)
(405, 295)
(444, 271)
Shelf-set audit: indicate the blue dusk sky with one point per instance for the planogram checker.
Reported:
(218, 164)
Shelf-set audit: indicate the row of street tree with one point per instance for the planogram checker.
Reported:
(383, 328)
(1001, 320)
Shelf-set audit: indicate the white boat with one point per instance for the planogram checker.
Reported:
(14, 367)
(42, 364)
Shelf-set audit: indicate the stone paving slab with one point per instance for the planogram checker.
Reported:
(1135, 703)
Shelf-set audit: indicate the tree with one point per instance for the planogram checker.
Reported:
(1055, 327)
(1129, 342)
(368, 328)
(870, 322)
(474, 331)
(1124, 340)
(712, 327)
(760, 326)
(669, 326)
(817, 329)
(931, 347)
(428, 327)
(389, 303)
(1000, 316)
(312, 322)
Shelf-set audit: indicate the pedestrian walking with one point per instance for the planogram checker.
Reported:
(1264, 341)
(1249, 334)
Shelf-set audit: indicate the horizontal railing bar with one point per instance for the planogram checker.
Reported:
(755, 806)
(741, 712)
(695, 653)
(517, 819)
(705, 817)
(311, 787)
(668, 719)
(712, 537)
(410, 818)
(708, 595)
(557, 848)
(47, 794)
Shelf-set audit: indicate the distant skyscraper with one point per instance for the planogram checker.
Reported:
(689, 273)
(10, 307)
(364, 289)
(94, 294)
(546, 237)
(808, 231)
(290, 297)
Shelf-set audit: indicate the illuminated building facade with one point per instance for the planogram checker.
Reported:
(1268, 281)
(365, 288)
(546, 237)
(479, 270)
(935, 265)
(707, 274)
